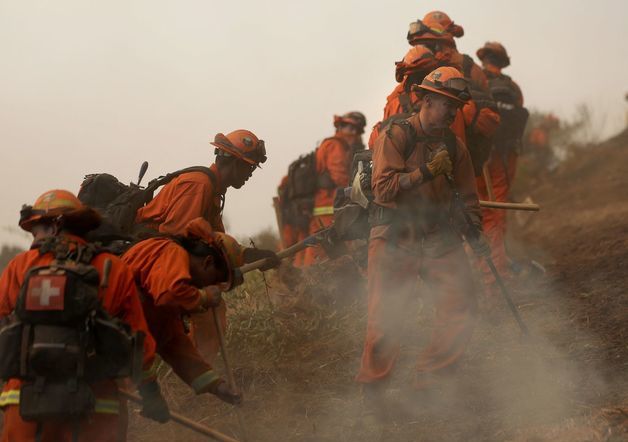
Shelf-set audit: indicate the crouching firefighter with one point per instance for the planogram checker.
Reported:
(71, 323)
(413, 234)
(178, 275)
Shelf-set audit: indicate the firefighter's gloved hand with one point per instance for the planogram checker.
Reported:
(221, 390)
(252, 254)
(211, 296)
(440, 164)
(480, 245)
(154, 406)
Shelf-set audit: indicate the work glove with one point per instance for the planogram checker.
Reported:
(440, 164)
(154, 406)
(210, 296)
(252, 254)
(220, 389)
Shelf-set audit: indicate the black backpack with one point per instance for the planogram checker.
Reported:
(118, 203)
(514, 118)
(59, 339)
(298, 197)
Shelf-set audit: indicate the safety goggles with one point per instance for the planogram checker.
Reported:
(419, 28)
(257, 154)
(458, 87)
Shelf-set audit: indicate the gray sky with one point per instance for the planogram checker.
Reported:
(90, 86)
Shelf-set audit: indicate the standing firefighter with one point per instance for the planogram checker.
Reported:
(479, 118)
(197, 194)
(502, 163)
(71, 324)
(177, 275)
(402, 102)
(333, 171)
(413, 233)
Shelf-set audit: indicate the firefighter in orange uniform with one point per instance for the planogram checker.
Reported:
(479, 119)
(402, 102)
(413, 233)
(181, 274)
(197, 194)
(333, 164)
(291, 233)
(58, 222)
(502, 163)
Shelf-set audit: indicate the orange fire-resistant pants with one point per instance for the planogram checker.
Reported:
(97, 427)
(392, 277)
(204, 334)
(502, 171)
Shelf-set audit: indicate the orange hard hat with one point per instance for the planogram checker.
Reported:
(63, 205)
(496, 53)
(439, 18)
(354, 118)
(242, 144)
(418, 58)
(229, 248)
(447, 81)
(420, 32)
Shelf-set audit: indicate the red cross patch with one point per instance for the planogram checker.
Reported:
(45, 292)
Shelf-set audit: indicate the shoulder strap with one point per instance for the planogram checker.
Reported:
(411, 136)
(467, 65)
(451, 142)
(163, 180)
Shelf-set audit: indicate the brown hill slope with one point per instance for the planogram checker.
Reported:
(568, 382)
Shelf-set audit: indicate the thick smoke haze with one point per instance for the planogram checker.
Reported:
(102, 86)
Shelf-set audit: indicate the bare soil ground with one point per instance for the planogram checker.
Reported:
(567, 382)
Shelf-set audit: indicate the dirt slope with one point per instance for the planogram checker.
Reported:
(568, 382)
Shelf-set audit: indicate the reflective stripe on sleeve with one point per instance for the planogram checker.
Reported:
(324, 210)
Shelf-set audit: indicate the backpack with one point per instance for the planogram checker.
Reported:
(303, 183)
(514, 118)
(59, 339)
(118, 203)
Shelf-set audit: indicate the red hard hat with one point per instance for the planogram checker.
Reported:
(60, 204)
(418, 58)
(497, 53)
(354, 118)
(242, 144)
(447, 81)
(440, 18)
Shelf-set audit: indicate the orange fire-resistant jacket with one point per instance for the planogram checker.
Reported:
(487, 121)
(161, 269)
(188, 196)
(333, 157)
(433, 197)
(119, 299)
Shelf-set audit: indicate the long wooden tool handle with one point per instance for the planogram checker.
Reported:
(510, 206)
(223, 351)
(184, 421)
(285, 253)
